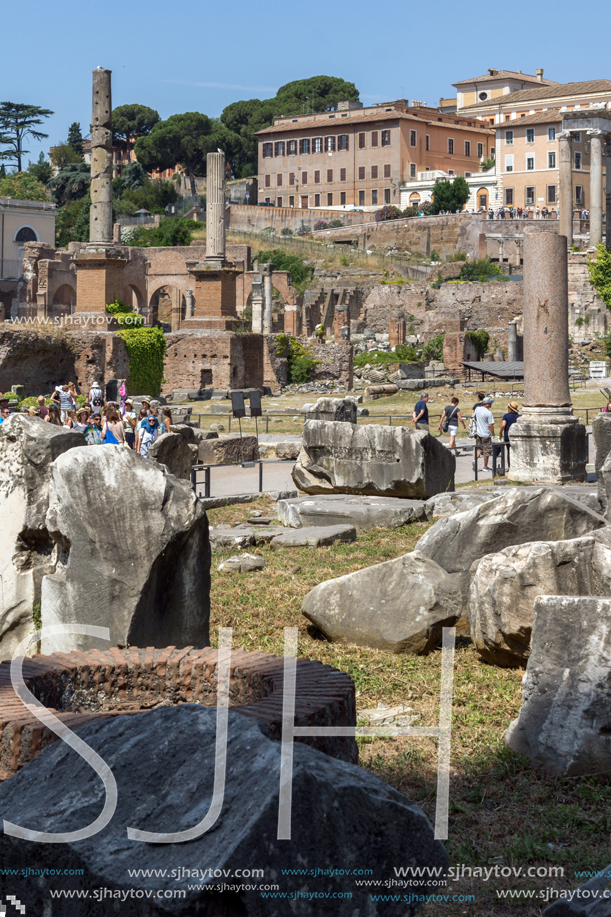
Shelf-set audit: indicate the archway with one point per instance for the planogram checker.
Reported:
(26, 234)
(163, 302)
(133, 297)
(64, 300)
(482, 199)
(414, 199)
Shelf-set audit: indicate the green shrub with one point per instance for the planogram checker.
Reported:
(145, 349)
(300, 357)
(459, 256)
(286, 231)
(124, 314)
(483, 269)
(344, 260)
(403, 353)
(434, 348)
(171, 231)
(600, 273)
(480, 340)
(300, 271)
(336, 224)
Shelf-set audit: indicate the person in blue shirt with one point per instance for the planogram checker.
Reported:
(420, 416)
(513, 412)
(4, 414)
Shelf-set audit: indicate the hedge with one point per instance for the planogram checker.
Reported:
(146, 349)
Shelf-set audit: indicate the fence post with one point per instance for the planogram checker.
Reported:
(207, 481)
(260, 477)
(267, 423)
(229, 423)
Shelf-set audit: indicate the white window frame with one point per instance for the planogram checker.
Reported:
(412, 170)
(578, 160)
(509, 162)
(551, 134)
(480, 150)
(551, 159)
(577, 137)
(530, 130)
(509, 138)
(530, 159)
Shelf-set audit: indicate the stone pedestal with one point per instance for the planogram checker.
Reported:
(215, 209)
(214, 299)
(256, 300)
(548, 444)
(292, 320)
(99, 279)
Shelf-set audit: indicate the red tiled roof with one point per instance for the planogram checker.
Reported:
(551, 116)
(505, 74)
(372, 117)
(557, 91)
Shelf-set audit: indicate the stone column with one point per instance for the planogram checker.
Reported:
(396, 329)
(267, 270)
(215, 209)
(565, 180)
(596, 187)
(190, 300)
(608, 192)
(341, 320)
(100, 219)
(512, 342)
(548, 444)
(256, 300)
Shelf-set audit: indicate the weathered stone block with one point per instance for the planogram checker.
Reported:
(228, 449)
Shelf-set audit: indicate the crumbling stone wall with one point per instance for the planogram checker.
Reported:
(335, 363)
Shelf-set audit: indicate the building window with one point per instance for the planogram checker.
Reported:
(317, 200)
(450, 145)
(551, 194)
(530, 195)
(579, 198)
(279, 148)
(317, 177)
(361, 198)
(507, 117)
(509, 163)
(450, 172)
(329, 176)
(330, 144)
(268, 150)
(268, 181)
(291, 201)
(508, 138)
(412, 170)
(551, 133)
(530, 135)
(530, 163)
(467, 147)
(427, 142)
(342, 197)
(385, 138)
(467, 175)
(292, 148)
(374, 172)
(361, 141)
(374, 197)
(578, 160)
(387, 171)
(291, 178)
(304, 145)
(412, 138)
(342, 175)
(361, 173)
(374, 138)
(329, 200)
(509, 196)
(304, 178)
(480, 150)
(317, 145)
(279, 179)
(577, 137)
(268, 200)
(387, 195)
(343, 142)
(551, 160)
(279, 202)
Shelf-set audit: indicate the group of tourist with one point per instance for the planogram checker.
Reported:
(483, 422)
(519, 213)
(101, 422)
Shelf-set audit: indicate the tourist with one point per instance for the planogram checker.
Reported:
(33, 411)
(113, 431)
(81, 421)
(96, 398)
(70, 418)
(65, 402)
(4, 414)
(93, 433)
(123, 397)
(166, 420)
(43, 410)
(56, 396)
(420, 417)
(147, 436)
(513, 412)
(449, 423)
(484, 419)
(142, 415)
(54, 416)
(607, 407)
(73, 392)
(129, 424)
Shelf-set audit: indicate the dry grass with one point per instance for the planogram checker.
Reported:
(502, 811)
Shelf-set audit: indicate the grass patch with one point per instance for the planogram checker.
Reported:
(502, 811)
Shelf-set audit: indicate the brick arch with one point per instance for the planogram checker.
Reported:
(128, 288)
(64, 300)
(169, 280)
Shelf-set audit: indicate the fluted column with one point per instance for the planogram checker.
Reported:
(215, 209)
(100, 218)
(565, 180)
(596, 187)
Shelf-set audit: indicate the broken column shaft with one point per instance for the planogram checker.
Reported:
(100, 218)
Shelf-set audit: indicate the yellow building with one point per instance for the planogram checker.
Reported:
(21, 222)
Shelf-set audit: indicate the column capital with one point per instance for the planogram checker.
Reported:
(594, 132)
(565, 135)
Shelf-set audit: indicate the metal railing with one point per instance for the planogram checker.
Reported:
(207, 470)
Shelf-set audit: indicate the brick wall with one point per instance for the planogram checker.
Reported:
(256, 219)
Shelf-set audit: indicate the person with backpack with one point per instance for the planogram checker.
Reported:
(96, 398)
(113, 431)
(448, 423)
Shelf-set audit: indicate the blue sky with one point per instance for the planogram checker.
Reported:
(202, 56)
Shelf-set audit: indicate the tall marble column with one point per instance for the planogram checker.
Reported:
(100, 219)
(565, 180)
(268, 298)
(256, 299)
(548, 444)
(608, 191)
(596, 187)
(215, 209)
(512, 342)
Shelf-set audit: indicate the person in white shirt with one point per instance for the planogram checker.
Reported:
(484, 419)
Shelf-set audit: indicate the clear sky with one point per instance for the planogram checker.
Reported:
(200, 56)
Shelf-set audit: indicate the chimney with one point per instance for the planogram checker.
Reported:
(492, 72)
(540, 74)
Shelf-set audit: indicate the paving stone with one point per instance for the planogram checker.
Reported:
(314, 536)
(343, 509)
